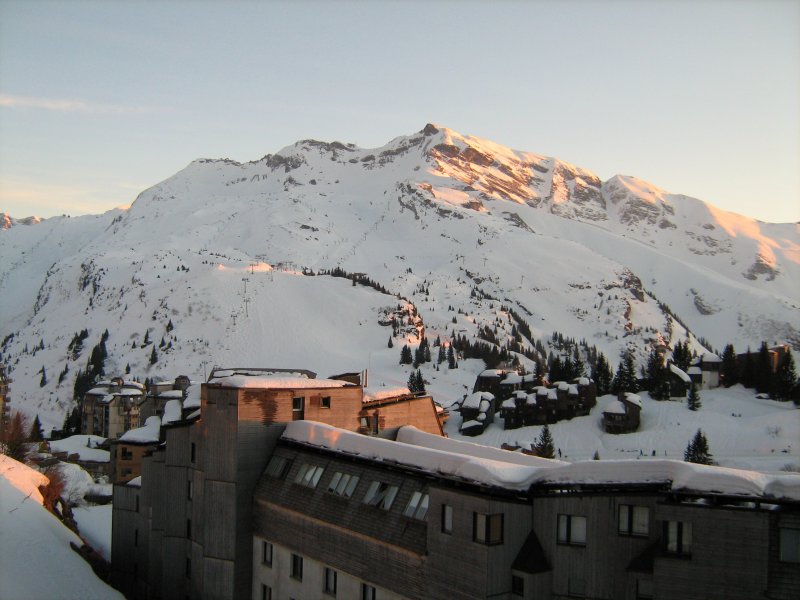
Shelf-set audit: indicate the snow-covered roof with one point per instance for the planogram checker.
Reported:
(281, 381)
(172, 394)
(695, 371)
(135, 482)
(508, 403)
(573, 389)
(36, 543)
(491, 373)
(680, 373)
(512, 379)
(484, 405)
(514, 471)
(172, 412)
(472, 423)
(192, 397)
(710, 357)
(616, 408)
(633, 399)
(584, 381)
(530, 399)
(144, 435)
(552, 394)
(85, 446)
(370, 394)
(474, 400)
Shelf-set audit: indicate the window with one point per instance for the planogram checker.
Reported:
(189, 489)
(278, 466)
(188, 528)
(572, 530)
(381, 495)
(417, 506)
(325, 402)
(368, 592)
(330, 581)
(634, 520)
(188, 568)
(126, 453)
(135, 537)
(193, 454)
(447, 518)
(644, 589)
(266, 553)
(678, 537)
(487, 529)
(309, 475)
(343, 484)
(266, 592)
(517, 585)
(297, 567)
(789, 545)
(298, 409)
(137, 503)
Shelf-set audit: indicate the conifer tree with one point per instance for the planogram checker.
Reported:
(153, 356)
(785, 378)
(405, 355)
(544, 445)
(763, 371)
(391, 343)
(146, 338)
(681, 355)
(15, 438)
(602, 375)
(693, 398)
(748, 373)
(127, 369)
(625, 378)
(442, 355)
(451, 358)
(596, 455)
(697, 451)
(420, 383)
(729, 371)
(36, 434)
(43, 380)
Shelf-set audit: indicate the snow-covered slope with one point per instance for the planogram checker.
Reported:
(36, 560)
(462, 227)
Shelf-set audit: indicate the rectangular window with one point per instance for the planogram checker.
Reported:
(417, 506)
(381, 495)
(447, 518)
(188, 568)
(487, 529)
(193, 454)
(278, 467)
(298, 409)
(330, 581)
(368, 592)
(297, 567)
(126, 454)
(309, 475)
(188, 528)
(135, 537)
(634, 520)
(517, 585)
(137, 503)
(189, 489)
(325, 402)
(266, 592)
(343, 484)
(789, 545)
(266, 553)
(678, 537)
(572, 530)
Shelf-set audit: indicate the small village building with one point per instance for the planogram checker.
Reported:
(705, 370)
(129, 450)
(477, 411)
(679, 381)
(623, 415)
(112, 407)
(90, 452)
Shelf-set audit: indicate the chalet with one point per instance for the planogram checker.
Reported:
(537, 405)
(679, 381)
(326, 512)
(624, 414)
(477, 411)
(704, 371)
(112, 407)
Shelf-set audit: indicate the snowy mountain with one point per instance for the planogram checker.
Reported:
(216, 261)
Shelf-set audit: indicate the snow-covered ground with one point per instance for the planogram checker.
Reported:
(94, 523)
(36, 560)
(743, 431)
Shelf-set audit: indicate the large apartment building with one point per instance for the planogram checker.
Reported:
(249, 500)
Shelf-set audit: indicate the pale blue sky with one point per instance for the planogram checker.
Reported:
(99, 100)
